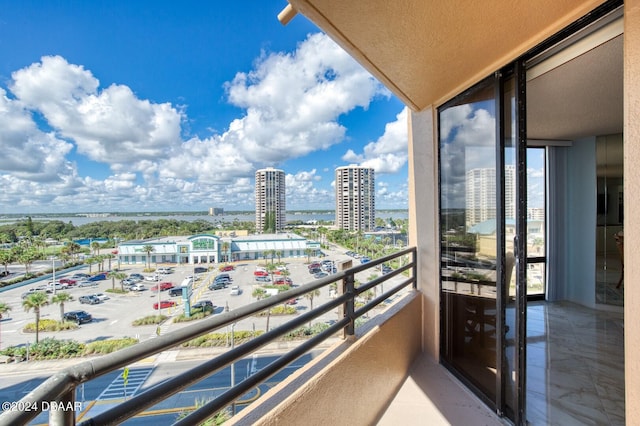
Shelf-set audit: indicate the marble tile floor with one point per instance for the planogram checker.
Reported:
(575, 365)
(575, 375)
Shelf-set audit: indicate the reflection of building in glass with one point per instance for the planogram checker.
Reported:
(355, 198)
(481, 194)
(270, 200)
(535, 213)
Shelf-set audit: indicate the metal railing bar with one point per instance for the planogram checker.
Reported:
(376, 301)
(149, 398)
(65, 381)
(221, 401)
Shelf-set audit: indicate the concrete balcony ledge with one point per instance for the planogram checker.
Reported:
(431, 395)
(380, 377)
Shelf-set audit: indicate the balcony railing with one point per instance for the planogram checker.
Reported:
(61, 386)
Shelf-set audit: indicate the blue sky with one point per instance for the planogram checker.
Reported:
(172, 106)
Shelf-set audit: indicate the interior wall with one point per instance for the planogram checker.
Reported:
(581, 222)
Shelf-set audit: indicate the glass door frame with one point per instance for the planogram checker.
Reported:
(510, 376)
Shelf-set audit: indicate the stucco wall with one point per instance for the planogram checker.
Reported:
(423, 220)
(355, 382)
(631, 200)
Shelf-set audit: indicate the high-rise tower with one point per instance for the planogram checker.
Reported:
(355, 198)
(270, 200)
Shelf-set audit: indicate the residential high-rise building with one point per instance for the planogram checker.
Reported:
(355, 198)
(481, 194)
(270, 200)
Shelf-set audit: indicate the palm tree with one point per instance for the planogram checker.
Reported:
(73, 249)
(60, 298)
(308, 252)
(310, 296)
(148, 249)
(279, 255)
(27, 257)
(114, 275)
(35, 301)
(95, 246)
(6, 259)
(260, 294)
(225, 250)
(4, 308)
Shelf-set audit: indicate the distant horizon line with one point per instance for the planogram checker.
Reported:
(177, 212)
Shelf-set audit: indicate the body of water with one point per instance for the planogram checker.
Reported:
(78, 220)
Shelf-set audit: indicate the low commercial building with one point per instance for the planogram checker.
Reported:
(208, 248)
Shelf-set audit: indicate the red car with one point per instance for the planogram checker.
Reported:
(68, 281)
(163, 287)
(227, 268)
(260, 273)
(315, 265)
(283, 280)
(164, 304)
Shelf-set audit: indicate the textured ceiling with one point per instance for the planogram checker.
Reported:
(581, 97)
(427, 51)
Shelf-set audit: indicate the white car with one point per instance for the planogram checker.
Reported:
(101, 296)
(154, 277)
(235, 290)
(87, 283)
(137, 287)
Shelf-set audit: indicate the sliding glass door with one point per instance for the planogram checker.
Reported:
(483, 256)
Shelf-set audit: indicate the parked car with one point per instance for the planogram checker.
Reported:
(136, 277)
(314, 265)
(89, 300)
(204, 305)
(87, 283)
(260, 273)
(128, 282)
(314, 271)
(164, 304)
(163, 286)
(365, 260)
(320, 274)
(98, 277)
(235, 290)
(101, 296)
(31, 291)
(264, 279)
(79, 276)
(283, 280)
(199, 270)
(57, 285)
(164, 271)
(176, 291)
(137, 287)
(79, 317)
(227, 268)
(68, 281)
(217, 285)
(152, 277)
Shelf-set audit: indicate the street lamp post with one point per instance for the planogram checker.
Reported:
(53, 264)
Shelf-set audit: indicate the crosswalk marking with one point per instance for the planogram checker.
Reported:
(118, 389)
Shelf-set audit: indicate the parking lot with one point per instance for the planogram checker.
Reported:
(113, 317)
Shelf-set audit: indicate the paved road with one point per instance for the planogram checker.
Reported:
(106, 391)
